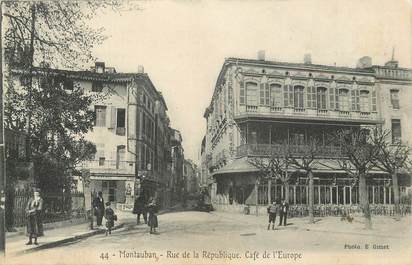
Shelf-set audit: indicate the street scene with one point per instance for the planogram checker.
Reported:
(206, 132)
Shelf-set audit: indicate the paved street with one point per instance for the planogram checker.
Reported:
(235, 234)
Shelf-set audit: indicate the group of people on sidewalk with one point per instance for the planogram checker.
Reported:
(278, 208)
(144, 207)
(101, 210)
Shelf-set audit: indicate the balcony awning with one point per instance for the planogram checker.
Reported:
(241, 165)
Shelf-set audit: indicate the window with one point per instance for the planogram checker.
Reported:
(373, 99)
(332, 98)
(97, 86)
(24, 80)
(395, 98)
(311, 97)
(264, 94)
(276, 95)
(298, 97)
(343, 100)
(396, 131)
(242, 96)
(121, 122)
(321, 95)
(364, 101)
(100, 112)
(101, 161)
(251, 94)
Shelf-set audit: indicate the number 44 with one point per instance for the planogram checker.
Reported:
(104, 255)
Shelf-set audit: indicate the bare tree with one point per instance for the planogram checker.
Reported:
(392, 157)
(304, 159)
(358, 153)
(275, 166)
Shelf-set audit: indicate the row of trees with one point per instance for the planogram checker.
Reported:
(361, 150)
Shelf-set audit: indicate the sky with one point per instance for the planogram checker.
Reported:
(183, 44)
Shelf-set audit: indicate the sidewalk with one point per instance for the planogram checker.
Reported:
(16, 244)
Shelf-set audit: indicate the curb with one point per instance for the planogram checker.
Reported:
(65, 240)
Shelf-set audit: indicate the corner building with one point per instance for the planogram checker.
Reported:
(259, 104)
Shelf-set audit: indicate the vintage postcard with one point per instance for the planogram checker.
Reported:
(206, 132)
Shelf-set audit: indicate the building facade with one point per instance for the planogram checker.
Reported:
(131, 132)
(190, 176)
(257, 105)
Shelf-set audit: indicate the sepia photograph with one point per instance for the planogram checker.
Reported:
(206, 132)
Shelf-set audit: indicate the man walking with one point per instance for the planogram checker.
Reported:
(98, 205)
(284, 208)
(272, 211)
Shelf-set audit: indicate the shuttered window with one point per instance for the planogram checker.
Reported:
(242, 94)
(298, 97)
(251, 94)
(100, 112)
(396, 131)
(321, 98)
(276, 95)
(364, 101)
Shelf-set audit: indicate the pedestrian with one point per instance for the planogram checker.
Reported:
(110, 218)
(139, 208)
(152, 209)
(98, 205)
(284, 208)
(34, 209)
(272, 211)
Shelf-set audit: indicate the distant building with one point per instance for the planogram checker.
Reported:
(191, 176)
(177, 153)
(258, 104)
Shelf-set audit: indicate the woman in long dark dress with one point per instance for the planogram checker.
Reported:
(34, 218)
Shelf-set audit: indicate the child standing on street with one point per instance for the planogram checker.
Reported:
(110, 218)
(152, 209)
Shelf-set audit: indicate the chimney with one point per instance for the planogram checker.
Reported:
(140, 69)
(307, 58)
(261, 55)
(99, 67)
(364, 62)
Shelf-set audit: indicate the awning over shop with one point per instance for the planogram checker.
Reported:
(241, 165)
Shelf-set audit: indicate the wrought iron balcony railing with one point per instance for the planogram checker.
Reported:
(326, 151)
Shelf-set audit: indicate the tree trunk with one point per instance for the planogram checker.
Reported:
(311, 191)
(363, 197)
(396, 194)
(286, 195)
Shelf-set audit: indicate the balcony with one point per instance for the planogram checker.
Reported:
(111, 167)
(245, 111)
(296, 150)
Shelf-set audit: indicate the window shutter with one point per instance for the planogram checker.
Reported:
(262, 94)
(336, 98)
(242, 96)
(291, 99)
(373, 99)
(286, 95)
(111, 117)
(353, 99)
(267, 94)
(357, 100)
(332, 98)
